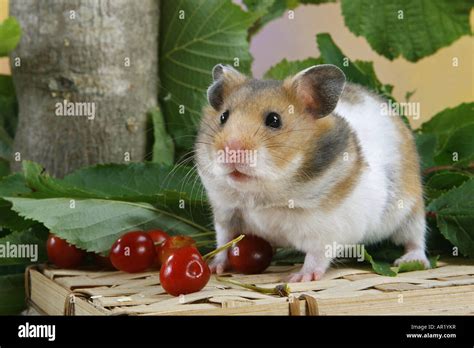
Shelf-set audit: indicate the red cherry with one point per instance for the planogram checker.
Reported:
(158, 237)
(251, 255)
(184, 272)
(133, 252)
(63, 254)
(173, 243)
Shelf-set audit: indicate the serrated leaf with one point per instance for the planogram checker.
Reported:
(211, 32)
(379, 267)
(13, 185)
(10, 34)
(163, 146)
(33, 240)
(287, 68)
(446, 180)
(359, 72)
(273, 9)
(270, 9)
(94, 224)
(416, 265)
(425, 26)
(458, 229)
(455, 216)
(178, 206)
(458, 149)
(446, 121)
(11, 220)
(142, 182)
(458, 201)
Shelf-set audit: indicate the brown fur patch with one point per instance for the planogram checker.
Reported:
(411, 185)
(347, 184)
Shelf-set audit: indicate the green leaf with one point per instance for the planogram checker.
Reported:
(459, 147)
(142, 182)
(10, 34)
(455, 216)
(93, 206)
(432, 137)
(94, 224)
(270, 10)
(389, 252)
(11, 220)
(385, 251)
(458, 229)
(459, 200)
(447, 121)
(446, 180)
(379, 267)
(273, 9)
(359, 72)
(13, 185)
(211, 32)
(286, 68)
(163, 146)
(416, 265)
(33, 240)
(426, 26)
(443, 181)
(12, 293)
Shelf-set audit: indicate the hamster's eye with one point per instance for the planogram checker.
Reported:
(224, 116)
(273, 120)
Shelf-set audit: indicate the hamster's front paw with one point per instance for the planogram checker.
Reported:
(314, 267)
(305, 276)
(219, 265)
(414, 255)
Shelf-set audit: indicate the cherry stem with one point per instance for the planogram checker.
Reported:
(213, 253)
(282, 290)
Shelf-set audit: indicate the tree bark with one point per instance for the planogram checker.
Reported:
(100, 52)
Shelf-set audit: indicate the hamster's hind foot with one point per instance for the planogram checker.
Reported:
(304, 277)
(218, 266)
(414, 255)
(315, 265)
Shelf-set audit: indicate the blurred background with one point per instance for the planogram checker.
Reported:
(295, 39)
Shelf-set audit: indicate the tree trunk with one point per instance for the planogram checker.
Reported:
(99, 58)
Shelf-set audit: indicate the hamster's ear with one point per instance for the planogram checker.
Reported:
(225, 80)
(318, 88)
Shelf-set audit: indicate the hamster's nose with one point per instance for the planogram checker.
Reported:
(234, 145)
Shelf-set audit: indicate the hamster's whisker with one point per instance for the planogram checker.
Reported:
(203, 142)
(258, 129)
(214, 130)
(180, 163)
